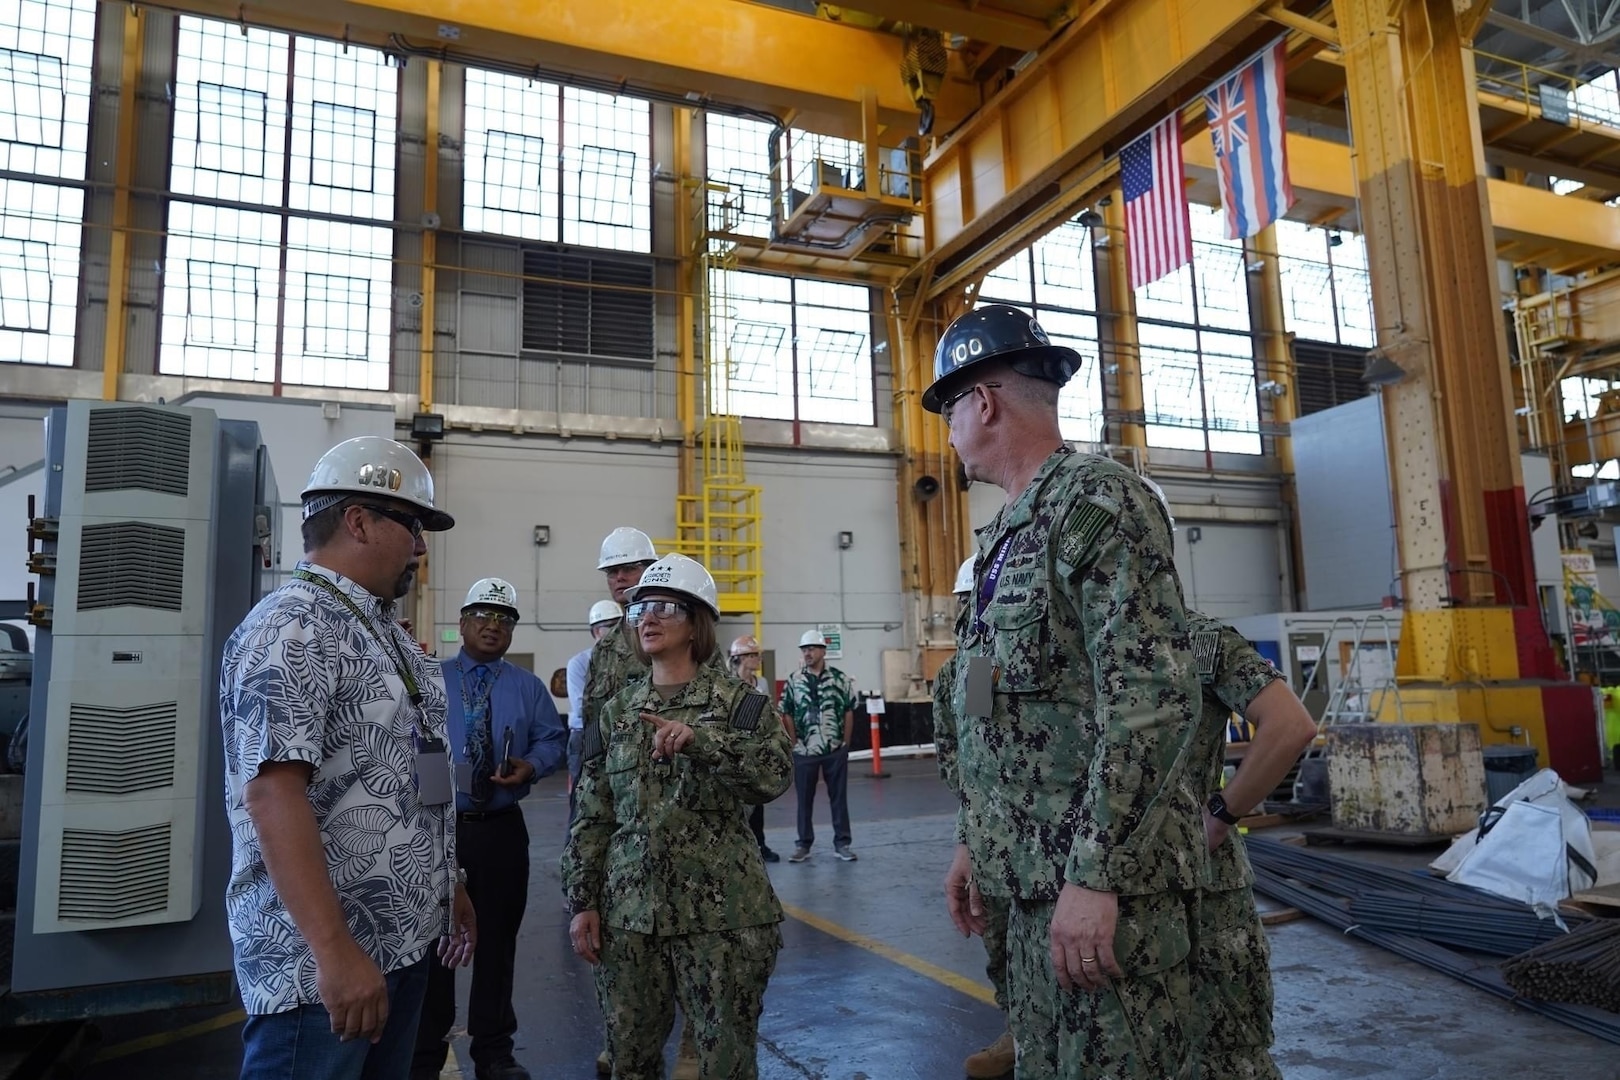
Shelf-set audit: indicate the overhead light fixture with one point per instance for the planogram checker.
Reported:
(1090, 219)
(1334, 239)
(1273, 387)
(1381, 370)
(427, 426)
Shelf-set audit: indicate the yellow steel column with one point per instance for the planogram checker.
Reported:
(1278, 366)
(430, 237)
(112, 359)
(686, 375)
(1472, 644)
(935, 532)
(1123, 348)
(1420, 167)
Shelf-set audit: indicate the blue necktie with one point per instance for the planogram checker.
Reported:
(480, 748)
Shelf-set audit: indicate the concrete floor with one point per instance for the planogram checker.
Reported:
(874, 983)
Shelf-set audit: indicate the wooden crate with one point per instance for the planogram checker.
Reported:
(1417, 780)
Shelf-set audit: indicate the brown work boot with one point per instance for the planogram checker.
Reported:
(994, 1061)
(686, 1058)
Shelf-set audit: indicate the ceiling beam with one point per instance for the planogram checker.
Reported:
(1581, 54)
(1118, 64)
(977, 22)
(716, 50)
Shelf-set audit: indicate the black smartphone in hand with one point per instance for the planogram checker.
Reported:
(504, 769)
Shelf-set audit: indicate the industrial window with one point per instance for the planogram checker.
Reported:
(1326, 292)
(557, 163)
(1055, 280)
(1193, 327)
(222, 304)
(790, 348)
(230, 113)
(25, 285)
(33, 97)
(299, 292)
(46, 51)
(231, 126)
(739, 163)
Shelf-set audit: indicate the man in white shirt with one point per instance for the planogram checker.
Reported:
(338, 786)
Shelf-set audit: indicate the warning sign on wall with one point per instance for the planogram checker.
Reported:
(834, 633)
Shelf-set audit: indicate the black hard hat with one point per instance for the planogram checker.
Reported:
(996, 332)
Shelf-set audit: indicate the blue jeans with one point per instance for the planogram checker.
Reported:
(300, 1045)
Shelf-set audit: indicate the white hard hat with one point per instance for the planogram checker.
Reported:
(745, 644)
(626, 545)
(812, 637)
(964, 577)
(372, 465)
(492, 592)
(605, 611)
(678, 574)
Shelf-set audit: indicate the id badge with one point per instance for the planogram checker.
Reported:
(980, 688)
(464, 777)
(433, 773)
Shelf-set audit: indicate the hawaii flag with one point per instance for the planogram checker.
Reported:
(1251, 156)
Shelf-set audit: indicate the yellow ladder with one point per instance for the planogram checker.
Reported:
(720, 524)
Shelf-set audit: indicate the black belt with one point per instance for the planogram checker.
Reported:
(485, 815)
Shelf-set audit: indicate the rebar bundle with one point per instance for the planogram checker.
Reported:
(1327, 887)
(1580, 968)
(1490, 927)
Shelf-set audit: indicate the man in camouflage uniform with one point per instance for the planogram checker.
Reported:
(995, 1060)
(626, 553)
(1077, 704)
(662, 852)
(1231, 964)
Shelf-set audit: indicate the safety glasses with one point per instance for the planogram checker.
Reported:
(945, 406)
(398, 517)
(642, 610)
(484, 617)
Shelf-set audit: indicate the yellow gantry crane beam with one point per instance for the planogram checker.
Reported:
(746, 54)
(1119, 61)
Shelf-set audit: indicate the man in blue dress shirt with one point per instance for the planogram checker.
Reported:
(504, 734)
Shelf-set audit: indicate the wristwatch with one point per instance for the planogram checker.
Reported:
(1217, 809)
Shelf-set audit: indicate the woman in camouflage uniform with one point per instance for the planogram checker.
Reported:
(669, 893)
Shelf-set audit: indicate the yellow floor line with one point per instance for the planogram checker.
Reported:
(164, 1038)
(977, 991)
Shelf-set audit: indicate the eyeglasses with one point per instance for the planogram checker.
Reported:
(642, 610)
(398, 517)
(504, 620)
(945, 406)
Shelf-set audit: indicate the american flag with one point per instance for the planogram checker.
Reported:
(1251, 154)
(1157, 228)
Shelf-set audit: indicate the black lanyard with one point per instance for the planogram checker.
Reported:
(401, 668)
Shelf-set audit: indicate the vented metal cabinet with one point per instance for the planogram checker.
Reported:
(162, 511)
